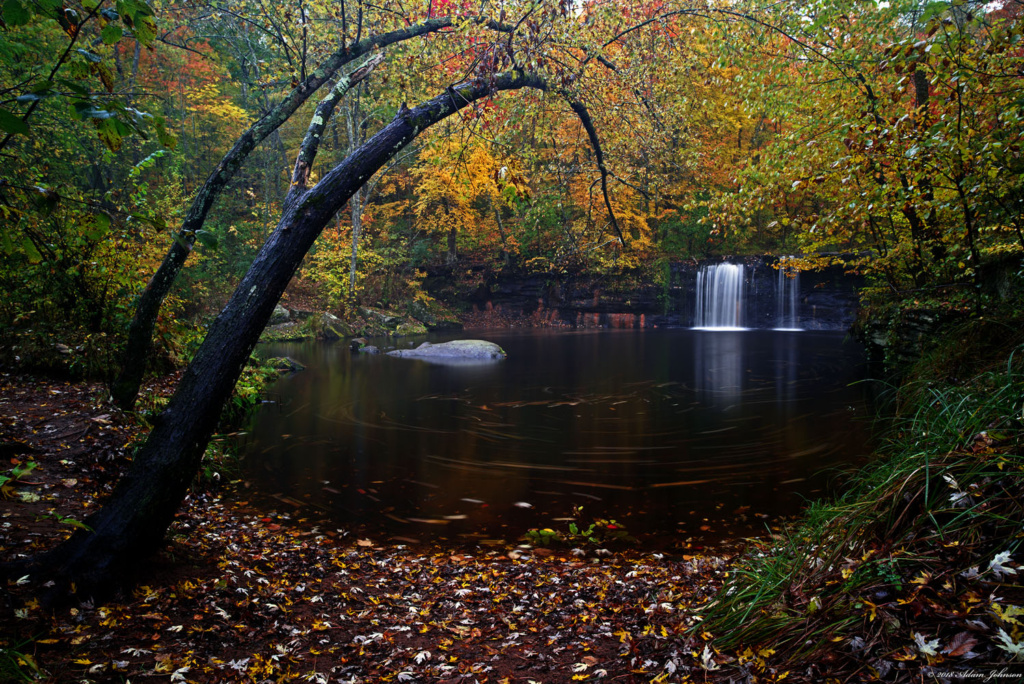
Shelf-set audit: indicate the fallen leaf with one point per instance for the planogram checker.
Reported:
(960, 644)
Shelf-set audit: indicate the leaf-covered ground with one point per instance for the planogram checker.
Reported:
(245, 594)
(241, 594)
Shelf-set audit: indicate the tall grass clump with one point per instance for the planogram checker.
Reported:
(914, 570)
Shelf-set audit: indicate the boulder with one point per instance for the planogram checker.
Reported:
(410, 328)
(280, 315)
(284, 364)
(468, 350)
(329, 327)
(382, 318)
(418, 310)
(433, 316)
(290, 331)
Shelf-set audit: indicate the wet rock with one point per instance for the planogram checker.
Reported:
(329, 327)
(434, 317)
(410, 328)
(381, 318)
(280, 315)
(418, 310)
(285, 364)
(471, 350)
(359, 345)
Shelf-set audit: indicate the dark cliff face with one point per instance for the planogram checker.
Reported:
(824, 300)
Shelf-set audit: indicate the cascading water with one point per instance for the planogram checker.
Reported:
(719, 297)
(788, 289)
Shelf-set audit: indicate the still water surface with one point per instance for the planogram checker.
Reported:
(677, 434)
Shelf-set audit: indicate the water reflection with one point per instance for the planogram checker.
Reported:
(718, 362)
(659, 429)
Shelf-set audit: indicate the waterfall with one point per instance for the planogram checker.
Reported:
(719, 297)
(788, 290)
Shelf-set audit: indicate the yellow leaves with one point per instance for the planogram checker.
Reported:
(1008, 614)
(871, 608)
(922, 579)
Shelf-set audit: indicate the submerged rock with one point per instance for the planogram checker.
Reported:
(285, 364)
(359, 345)
(470, 350)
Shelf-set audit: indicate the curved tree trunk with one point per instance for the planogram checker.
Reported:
(132, 523)
(125, 388)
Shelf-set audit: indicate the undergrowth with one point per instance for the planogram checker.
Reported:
(911, 573)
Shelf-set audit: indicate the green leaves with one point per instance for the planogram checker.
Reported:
(111, 33)
(96, 226)
(163, 134)
(138, 16)
(34, 257)
(111, 131)
(15, 13)
(9, 123)
(207, 239)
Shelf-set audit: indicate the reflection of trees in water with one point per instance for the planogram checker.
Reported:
(651, 423)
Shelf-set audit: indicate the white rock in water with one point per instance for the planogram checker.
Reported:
(477, 350)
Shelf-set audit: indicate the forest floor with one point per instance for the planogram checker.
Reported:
(242, 594)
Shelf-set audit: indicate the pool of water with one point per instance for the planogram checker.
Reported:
(682, 436)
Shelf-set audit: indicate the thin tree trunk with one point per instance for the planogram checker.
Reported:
(354, 129)
(504, 242)
(355, 206)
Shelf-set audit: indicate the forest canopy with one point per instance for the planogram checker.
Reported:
(882, 135)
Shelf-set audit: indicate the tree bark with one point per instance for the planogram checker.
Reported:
(132, 523)
(356, 137)
(125, 388)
